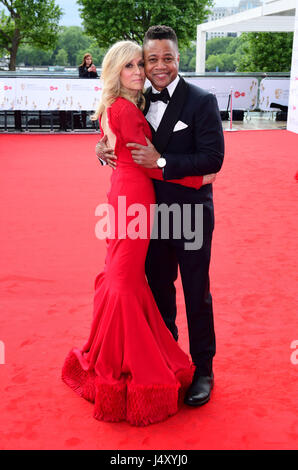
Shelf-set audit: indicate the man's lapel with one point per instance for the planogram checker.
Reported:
(165, 129)
(147, 105)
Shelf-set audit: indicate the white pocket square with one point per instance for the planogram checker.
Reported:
(179, 126)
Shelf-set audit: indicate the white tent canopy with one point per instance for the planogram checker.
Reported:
(274, 16)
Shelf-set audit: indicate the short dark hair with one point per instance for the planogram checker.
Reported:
(160, 32)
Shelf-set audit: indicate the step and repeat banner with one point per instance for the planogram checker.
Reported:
(245, 90)
(292, 124)
(48, 94)
(8, 93)
(273, 90)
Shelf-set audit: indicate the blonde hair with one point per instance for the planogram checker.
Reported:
(116, 58)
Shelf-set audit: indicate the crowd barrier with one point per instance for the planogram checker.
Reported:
(66, 103)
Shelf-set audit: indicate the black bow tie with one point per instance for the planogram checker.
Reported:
(162, 96)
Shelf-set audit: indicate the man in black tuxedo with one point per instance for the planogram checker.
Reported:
(187, 140)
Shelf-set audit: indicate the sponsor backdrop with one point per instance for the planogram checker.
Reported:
(79, 94)
(292, 124)
(245, 90)
(49, 94)
(273, 90)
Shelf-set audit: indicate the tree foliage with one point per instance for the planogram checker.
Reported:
(73, 39)
(217, 46)
(110, 21)
(61, 57)
(188, 59)
(250, 52)
(33, 22)
(77, 43)
(265, 52)
(229, 54)
(74, 44)
(222, 53)
(30, 55)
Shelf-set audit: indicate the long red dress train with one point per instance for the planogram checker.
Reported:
(130, 367)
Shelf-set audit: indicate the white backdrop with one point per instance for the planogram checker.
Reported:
(245, 90)
(274, 90)
(292, 124)
(48, 94)
(7, 93)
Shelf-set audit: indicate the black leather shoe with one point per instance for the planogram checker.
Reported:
(200, 390)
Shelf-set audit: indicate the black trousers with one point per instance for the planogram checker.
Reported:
(163, 259)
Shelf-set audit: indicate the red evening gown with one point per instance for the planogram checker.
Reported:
(131, 368)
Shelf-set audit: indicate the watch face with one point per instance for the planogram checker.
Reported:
(161, 162)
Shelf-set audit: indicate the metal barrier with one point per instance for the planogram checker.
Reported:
(49, 121)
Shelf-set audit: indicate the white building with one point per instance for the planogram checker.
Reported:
(221, 12)
(247, 4)
(272, 15)
(217, 14)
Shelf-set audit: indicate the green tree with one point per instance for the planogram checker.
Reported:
(214, 61)
(192, 64)
(228, 61)
(61, 57)
(265, 52)
(72, 39)
(33, 22)
(217, 46)
(186, 63)
(222, 53)
(109, 20)
(235, 44)
(29, 55)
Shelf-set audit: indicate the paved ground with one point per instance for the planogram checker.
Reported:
(255, 121)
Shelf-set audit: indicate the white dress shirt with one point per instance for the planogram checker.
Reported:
(156, 110)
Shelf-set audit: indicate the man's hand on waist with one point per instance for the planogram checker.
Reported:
(144, 155)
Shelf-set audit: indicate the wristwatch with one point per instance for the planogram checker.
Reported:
(161, 162)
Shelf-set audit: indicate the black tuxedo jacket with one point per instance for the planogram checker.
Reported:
(198, 149)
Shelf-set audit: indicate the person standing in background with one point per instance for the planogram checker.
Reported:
(87, 70)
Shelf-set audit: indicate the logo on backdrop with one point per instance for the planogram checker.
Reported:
(237, 94)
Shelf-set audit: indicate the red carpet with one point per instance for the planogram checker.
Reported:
(50, 187)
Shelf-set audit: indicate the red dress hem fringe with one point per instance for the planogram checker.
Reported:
(138, 404)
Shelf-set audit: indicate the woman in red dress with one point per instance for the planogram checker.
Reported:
(130, 367)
